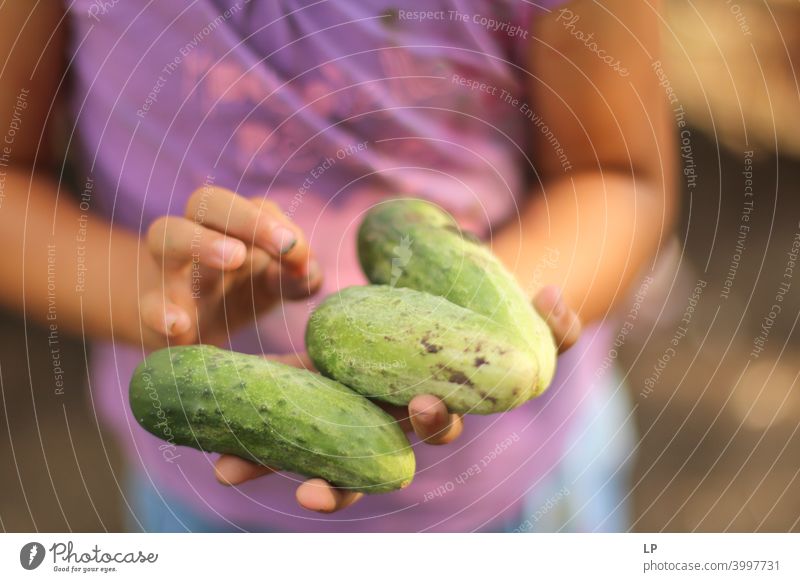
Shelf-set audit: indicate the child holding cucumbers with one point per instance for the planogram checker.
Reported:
(223, 153)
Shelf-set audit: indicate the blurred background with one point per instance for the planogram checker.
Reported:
(719, 447)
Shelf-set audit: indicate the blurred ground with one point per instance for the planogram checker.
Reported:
(58, 470)
(720, 448)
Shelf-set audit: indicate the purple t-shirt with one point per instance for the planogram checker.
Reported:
(325, 107)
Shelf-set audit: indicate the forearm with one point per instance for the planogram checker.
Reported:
(590, 235)
(65, 266)
(604, 220)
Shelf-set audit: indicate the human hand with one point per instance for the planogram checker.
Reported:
(426, 415)
(221, 265)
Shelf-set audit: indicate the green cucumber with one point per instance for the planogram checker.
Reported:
(442, 316)
(271, 413)
(402, 342)
(466, 300)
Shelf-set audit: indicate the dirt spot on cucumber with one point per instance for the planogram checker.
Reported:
(458, 377)
(454, 376)
(429, 346)
(485, 396)
(480, 361)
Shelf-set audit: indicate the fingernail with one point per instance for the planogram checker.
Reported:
(227, 251)
(175, 320)
(221, 478)
(313, 270)
(559, 307)
(425, 416)
(283, 239)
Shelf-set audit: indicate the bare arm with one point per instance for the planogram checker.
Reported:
(39, 221)
(603, 207)
(69, 268)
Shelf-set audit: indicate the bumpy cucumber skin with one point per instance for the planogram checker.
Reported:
(402, 342)
(412, 243)
(215, 400)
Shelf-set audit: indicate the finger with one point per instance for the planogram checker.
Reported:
(563, 321)
(259, 225)
(432, 422)
(233, 470)
(275, 283)
(160, 315)
(289, 283)
(256, 262)
(318, 495)
(176, 241)
(299, 257)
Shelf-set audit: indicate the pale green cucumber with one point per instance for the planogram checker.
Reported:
(409, 243)
(401, 342)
